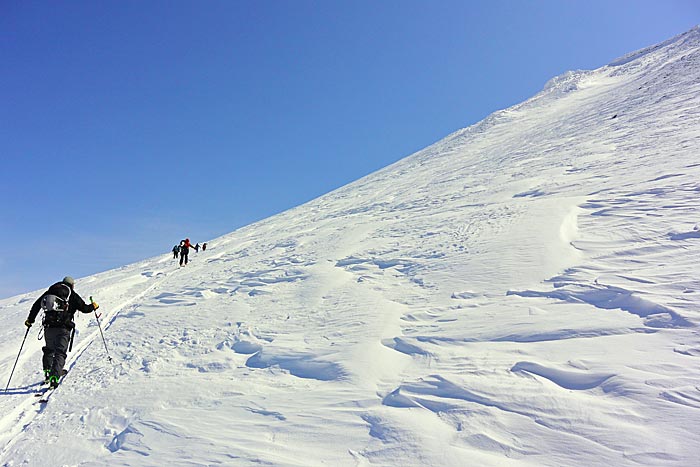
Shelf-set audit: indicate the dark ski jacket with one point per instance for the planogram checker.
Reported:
(75, 303)
(185, 246)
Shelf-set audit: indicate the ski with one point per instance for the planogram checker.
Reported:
(45, 392)
(46, 395)
(41, 392)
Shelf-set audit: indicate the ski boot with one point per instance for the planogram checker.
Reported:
(53, 382)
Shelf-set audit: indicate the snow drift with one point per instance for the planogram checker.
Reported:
(523, 292)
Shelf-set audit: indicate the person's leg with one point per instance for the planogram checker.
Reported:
(55, 353)
(47, 358)
(59, 359)
(49, 349)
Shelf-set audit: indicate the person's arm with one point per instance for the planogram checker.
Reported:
(34, 311)
(80, 304)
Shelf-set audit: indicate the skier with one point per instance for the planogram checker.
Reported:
(59, 303)
(176, 251)
(185, 246)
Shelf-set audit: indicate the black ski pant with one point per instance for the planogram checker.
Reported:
(183, 255)
(55, 350)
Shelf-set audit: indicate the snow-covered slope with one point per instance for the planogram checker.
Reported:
(523, 292)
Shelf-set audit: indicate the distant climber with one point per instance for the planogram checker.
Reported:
(59, 303)
(185, 246)
(176, 251)
(204, 246)
(196, 247)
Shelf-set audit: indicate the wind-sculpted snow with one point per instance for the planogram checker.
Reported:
(303, 366)
(695, 233)
(523, 292)
(609, 297)
(575, 380)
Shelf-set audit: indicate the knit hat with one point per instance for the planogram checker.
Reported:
(69, 280)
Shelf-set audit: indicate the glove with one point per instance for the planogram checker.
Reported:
(95, 306)
(28, 323)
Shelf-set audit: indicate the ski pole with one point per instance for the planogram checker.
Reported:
(20, 353)
(72, 335)
(97, 318)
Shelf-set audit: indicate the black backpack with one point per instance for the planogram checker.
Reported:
(55, 305)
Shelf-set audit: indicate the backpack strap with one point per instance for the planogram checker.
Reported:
(70, 290)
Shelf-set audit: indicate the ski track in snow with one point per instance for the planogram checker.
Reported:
(21, 419)
(522, 292)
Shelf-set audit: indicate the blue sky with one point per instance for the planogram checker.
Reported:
(128, 125)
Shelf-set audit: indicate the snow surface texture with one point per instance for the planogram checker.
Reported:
(523, 292)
